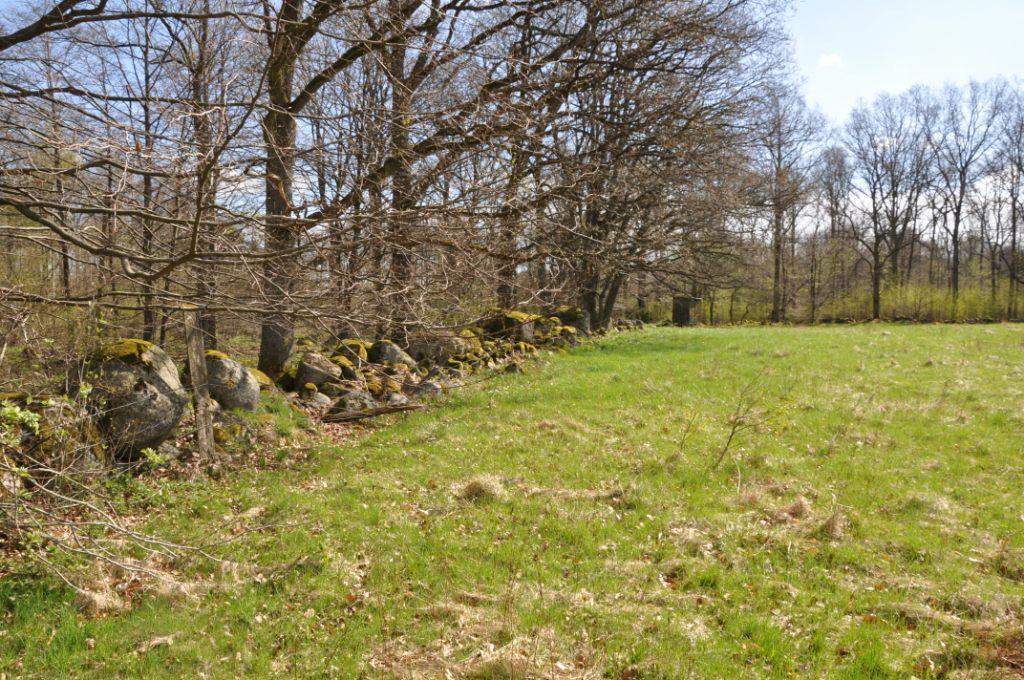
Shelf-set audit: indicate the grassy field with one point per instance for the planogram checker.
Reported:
(841, 502)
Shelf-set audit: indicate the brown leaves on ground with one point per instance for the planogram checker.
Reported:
(118, 586)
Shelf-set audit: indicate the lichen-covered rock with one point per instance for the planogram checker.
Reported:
(385, 351)
(231, 384)
(357, 351)
(356, 401)
(347, 366)
(316, 369)
(136, 394)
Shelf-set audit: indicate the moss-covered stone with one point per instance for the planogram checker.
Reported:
(137, 393)
(355, 349)
(375, 386)
(232, 385)
(387, 352)
(129, 351)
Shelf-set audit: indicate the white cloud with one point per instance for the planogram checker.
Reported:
(831, 60)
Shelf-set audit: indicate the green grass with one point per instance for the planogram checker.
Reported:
(601, 542)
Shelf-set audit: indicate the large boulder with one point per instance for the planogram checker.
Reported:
(387, 352)
(136, 394)
(232, 385)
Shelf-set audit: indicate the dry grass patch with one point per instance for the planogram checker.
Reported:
(481, 489)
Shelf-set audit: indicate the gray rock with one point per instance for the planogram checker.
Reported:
(385, 351)
(438, 347)
(318, 400)
(333, 389)
(231, 383)
(317, 369)
(137, 394)
(511, 326)
(397, 399)
(355, 401)
(427, 389)
(169, 452)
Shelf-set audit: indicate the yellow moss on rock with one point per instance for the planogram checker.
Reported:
(374, 386)
(130, 350)
(260, 377)
(355, 347)
(216, 355)
(343, 361)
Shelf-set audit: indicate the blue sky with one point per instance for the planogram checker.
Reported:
(848, 50)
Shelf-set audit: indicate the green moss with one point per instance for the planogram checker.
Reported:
(289, 378)
(216, 355)
(342, 361)
(357, 349)
(129, 351)
(374, 386)
(262, 378)
(226, 434)
(310, 387)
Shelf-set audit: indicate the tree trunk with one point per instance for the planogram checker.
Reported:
(778, 293)
(876, 284)
(277, 332)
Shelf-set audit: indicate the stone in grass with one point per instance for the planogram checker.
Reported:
(232, 385)
(136, 391)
